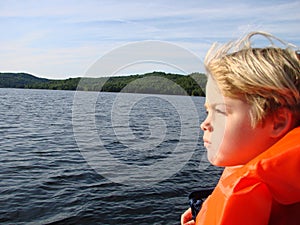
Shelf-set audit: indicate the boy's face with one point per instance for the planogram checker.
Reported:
(228, 136)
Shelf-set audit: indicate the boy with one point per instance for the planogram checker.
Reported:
(253, 130)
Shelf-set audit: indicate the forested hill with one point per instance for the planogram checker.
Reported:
(155, 83)
(19, 80)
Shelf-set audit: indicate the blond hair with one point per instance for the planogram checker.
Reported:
(266, 78)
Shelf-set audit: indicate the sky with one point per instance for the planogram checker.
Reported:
(62, 39)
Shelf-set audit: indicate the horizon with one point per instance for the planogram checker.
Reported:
(61, 40)
(100, 76)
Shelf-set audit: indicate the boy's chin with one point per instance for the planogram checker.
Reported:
(214, 160)
(220, 161)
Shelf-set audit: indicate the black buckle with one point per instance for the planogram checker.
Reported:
(196, 199)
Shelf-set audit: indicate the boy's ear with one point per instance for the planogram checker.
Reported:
(282, 122)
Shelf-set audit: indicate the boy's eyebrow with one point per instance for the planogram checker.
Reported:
(207, 105)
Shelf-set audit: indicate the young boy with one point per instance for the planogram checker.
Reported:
(253, 130)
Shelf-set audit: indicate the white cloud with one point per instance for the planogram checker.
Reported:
(65, 37)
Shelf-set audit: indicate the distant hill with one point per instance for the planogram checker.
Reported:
(19, 80)
(154, 83)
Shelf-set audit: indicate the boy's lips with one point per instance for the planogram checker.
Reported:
(206, 141)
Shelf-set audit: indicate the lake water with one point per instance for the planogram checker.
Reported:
(71, 157)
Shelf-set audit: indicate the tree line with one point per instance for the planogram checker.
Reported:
(151, 83)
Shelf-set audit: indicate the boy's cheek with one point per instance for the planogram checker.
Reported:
(219, 130)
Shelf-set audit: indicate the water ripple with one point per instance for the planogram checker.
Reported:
(45, 179)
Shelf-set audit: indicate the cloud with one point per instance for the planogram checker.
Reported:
(69, 35)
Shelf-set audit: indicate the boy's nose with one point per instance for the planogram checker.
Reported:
(206, 125)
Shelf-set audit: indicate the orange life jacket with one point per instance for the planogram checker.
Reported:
(264, 191)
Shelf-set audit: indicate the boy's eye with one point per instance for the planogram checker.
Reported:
(221, 111)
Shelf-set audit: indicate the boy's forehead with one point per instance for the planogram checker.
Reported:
(213, 93)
